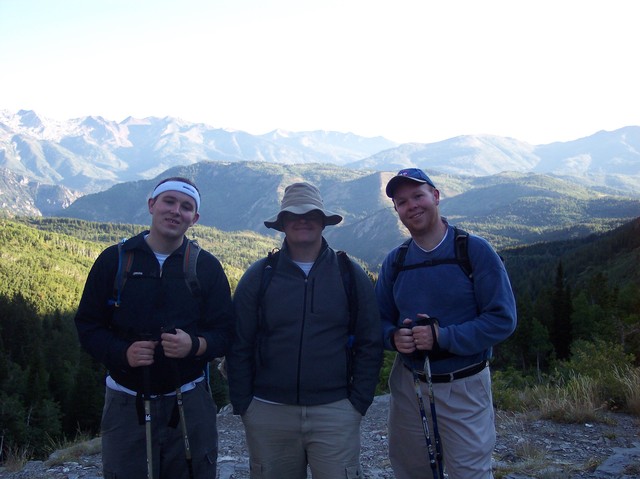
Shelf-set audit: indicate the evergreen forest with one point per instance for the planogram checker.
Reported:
(573, 296)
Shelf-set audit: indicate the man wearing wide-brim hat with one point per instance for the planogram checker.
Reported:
(298, 384)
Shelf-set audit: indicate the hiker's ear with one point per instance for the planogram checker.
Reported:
(196, 217)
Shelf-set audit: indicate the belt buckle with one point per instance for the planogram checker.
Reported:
(452, 377)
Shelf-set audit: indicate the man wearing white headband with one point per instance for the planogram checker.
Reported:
(155, 310)
(178, 185)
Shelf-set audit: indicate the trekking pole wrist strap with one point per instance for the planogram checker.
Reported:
(392, 339)
(195, 346)
(433, 324)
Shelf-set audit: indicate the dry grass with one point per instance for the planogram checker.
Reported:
(16, 458)
(575, 401)
(630, 379)
(578, 399)
(581, 398)
(71, 452)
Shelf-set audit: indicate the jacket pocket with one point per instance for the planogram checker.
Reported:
(353, 472)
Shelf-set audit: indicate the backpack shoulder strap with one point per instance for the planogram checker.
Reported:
(461, 245)
(346, 272)
(125, 260)
(461, 248)
(398, 261)
(267, 273)
(270, 264)
(349, 283)
(189, 267)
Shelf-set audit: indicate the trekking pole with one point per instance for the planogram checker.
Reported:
(147, 419)
(434, 417)
(425, 422)
(180, 403)
(185, 436)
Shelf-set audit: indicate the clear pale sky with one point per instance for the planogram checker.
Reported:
(409, 70)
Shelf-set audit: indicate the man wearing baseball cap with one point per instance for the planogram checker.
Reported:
(442, 315)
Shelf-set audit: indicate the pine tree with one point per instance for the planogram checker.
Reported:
(561, 316)
(87, 397)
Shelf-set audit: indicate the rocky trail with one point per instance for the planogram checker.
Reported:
(527, 447)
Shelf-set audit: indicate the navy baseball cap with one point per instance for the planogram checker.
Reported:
(413, 174)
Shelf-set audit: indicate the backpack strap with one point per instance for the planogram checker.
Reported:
(270, 265)
(125, 260)
(267, 273)
(349, 284)
(461, 248)
(189, 267)
(346, 272)
(461, 244)
(398, 262)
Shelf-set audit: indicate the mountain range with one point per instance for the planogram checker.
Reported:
(507, 190)
(91, 153)
(508, 209)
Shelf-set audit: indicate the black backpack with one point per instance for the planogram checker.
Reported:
(125, 260)
(461, 246)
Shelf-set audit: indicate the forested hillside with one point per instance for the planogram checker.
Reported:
(578, 290)
(47, 387)
(570, 292)
(236, 250)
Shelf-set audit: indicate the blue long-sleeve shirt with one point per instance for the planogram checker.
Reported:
(473, 316)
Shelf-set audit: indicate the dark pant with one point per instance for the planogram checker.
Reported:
(124, 441)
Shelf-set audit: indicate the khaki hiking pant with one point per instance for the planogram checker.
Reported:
(283, 440)
(465, 416)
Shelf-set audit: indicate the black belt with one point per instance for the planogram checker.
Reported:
(447, 378)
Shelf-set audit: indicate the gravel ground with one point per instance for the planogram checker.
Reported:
(527, 448)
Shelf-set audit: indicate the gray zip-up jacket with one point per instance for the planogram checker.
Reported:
(295, 351)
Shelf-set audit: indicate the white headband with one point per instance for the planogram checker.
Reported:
(180, 186)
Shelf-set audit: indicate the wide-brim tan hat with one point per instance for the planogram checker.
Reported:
(299, 199)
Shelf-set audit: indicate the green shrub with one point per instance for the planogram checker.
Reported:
(510, 389)
(385, 371)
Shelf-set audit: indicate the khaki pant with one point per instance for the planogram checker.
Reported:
(283, 440)
(465, 419)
